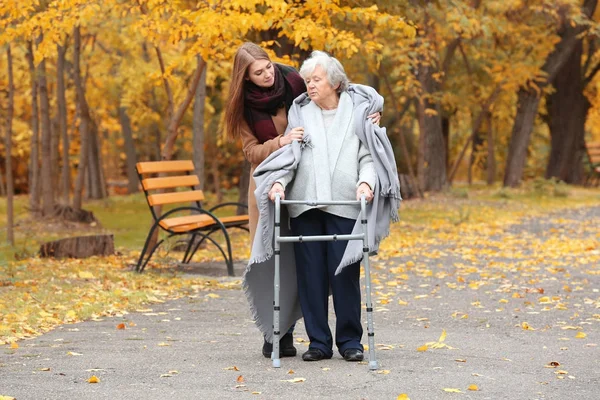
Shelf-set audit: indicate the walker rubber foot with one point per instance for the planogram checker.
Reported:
(373, 365)
(277, 363)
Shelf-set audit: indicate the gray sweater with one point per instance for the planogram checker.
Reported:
(333, 166)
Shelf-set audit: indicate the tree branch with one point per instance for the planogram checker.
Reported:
(178, 115)
(484, 110)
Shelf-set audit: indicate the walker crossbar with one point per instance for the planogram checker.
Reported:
(315, 238)
(320, 238)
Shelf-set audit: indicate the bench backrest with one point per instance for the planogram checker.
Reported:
(156, 176)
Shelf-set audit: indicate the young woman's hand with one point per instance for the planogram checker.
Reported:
(364, 190)
(375, 118)
(295, 134)
(277, 188)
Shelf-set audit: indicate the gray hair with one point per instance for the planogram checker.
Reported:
(333, 68)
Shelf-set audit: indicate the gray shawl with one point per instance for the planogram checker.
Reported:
(258, 277)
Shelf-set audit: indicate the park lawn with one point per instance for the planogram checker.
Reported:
(37, 294)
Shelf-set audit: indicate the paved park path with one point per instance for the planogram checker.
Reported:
(520, 312)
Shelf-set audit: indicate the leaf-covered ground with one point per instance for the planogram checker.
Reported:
(467, 232)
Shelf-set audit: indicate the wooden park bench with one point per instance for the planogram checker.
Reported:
(188, 217)
(593, 155)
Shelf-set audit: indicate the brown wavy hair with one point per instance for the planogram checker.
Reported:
(234, 111)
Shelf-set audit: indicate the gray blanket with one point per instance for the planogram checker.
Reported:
(258, 277)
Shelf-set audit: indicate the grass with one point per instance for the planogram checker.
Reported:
(126, 217)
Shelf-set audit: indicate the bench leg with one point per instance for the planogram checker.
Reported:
(141, 264)
(228, 259)
(187, 251)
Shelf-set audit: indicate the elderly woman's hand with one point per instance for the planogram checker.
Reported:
(277, 188)
(364, 190)
(375, 118)
(295, 134)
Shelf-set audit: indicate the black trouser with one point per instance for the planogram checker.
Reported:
(316, 263)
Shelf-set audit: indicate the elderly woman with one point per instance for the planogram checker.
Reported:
(342, 155)
(335, 164)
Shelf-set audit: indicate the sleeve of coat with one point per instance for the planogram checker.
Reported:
(254, 151)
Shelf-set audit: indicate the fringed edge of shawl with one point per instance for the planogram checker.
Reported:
(261, 327)
(359, 256)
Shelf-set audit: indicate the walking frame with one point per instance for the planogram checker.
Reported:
(316, 238)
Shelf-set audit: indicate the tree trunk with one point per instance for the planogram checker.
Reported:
(46, 173)
(97, 187)
(243, 187)
(476, 144)
(2, 186)
(10, 190)
(527, 106)
(198, 129)
(34, 159)
(65, 176)
(491, 154)
(529, 100)
(432, 157)
(131, 157)
(83, 122)
(79, 247)
(446, 135)
(567, 112)
(55, 158)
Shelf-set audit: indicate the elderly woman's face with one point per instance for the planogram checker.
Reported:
(319, 89)
(261, 73)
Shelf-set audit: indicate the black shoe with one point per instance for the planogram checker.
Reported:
(353, 355)
(314, 355)
(286, 347)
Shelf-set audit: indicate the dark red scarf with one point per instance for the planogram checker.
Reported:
(260, 104)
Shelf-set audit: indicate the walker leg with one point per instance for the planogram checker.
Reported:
(370, 331)
(276, 287)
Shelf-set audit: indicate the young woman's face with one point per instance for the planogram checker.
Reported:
(262, 73)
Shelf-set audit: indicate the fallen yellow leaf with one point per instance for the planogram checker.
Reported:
(72, 353)
(452, 390)
(473, 388)
(544, 300)
(443, 336)
(402, 396)
(295, 380)
(234, 368)
(526, 326)
(240, 379)
(422, 348)
(94, 379)
(14, 345)
(86, 275)
(121, 326)
(580, 335)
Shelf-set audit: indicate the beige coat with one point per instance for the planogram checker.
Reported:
(256, 153)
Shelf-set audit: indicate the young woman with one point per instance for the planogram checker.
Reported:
(260, 95)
